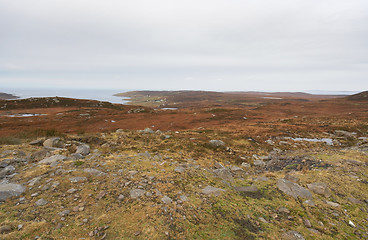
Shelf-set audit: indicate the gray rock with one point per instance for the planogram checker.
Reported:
(248, 189)
(77, 179)
(354, 200)
(52, 160)
(64, 213)
(346, 134)
(236, 169)
(34, 181)
(179, 169)
(40, 155)
(332, 204)
(310, 203)
(166, 200)
(72, 190)
(258, 163)
(121, 197)
(293, 189)
(351, 224)
(224, 174)
(148, 130)
(183, 198)
(307, 223)
(136, 193)
(212, 191)
(292, 235)
(10, 190)
(53, 143)
(37, 142)
(261, 179)
(216, 143)
(319, 188)
(283, 210)
(6, 171)
(94, 172)
(41, 202)
(76, 156)
(83, 149)
(245, 165)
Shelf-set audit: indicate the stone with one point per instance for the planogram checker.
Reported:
(101, 195)
(292, 235)
(292, 178)
(5, 229)
(166, 200)
(77, 179)
(283, 210)
(7, 171)
(53, 143)
(307, 223)
(121, 197)
(41, 202)
(136, 193)
(94, 172)
(351, 224)
(245, 165)
(64, 213)
(9, 190)
(216, 143)
(332, 204)
(236, 169)
(310, 203)
(224, 174)
(53, 159)
(34, 181)
(20, 227)
(319, 188)
(76, 156)
(293, 189)
(354, 200)
(258, 163)
(37, 142)
(148, 130)
(209, 190)
(72, 190)
(184, 198)
(83, 149)
(261, 179)
(40, 155)
(249, 189)
(179, 169)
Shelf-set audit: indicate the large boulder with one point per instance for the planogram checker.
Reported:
(209, 190)
(54, 143)
(83, 149)
(293, 189)
(53, 159)
(319, 188)
(216, 143)
(9, 190)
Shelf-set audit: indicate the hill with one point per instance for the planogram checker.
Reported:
(6, 96)
(363, 96)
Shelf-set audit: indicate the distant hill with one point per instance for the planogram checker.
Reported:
(7, 96)
(363, 96)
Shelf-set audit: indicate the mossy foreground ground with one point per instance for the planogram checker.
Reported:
(179, 185)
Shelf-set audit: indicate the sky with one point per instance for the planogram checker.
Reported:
(221, 45)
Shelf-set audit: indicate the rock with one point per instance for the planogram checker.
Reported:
(136, 193)
(283, 210)
(40, 155)
(20, 227)
(53, 143)
(249, 189)
(345, 134)
(332, 204)
(293, 189)
(34, 181)
(101, 195)
(71, 190)
(261, 179)
(224, 174)
(166, 200)
(76, 156)
(121, 197)
(183, 198)
(212, 191)
(354, 200)
(262, 219)
(148, 131)
(64, 213)
(351, 224)
(258, 163)
(307, 223)
(292, 178)
(179, 169)
(218, 165)
(236, 169)
(6, 171)
(245, 165)
(94, 172)
(292, 235)
(320, 188)
(310, 203)
(83, 149)
(5, 229)
(41, 202)
(58, 226)
(37, 142)
(77, 179)
(216, 143)
(52, 160)
(10, 190)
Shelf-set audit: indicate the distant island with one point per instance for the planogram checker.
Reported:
(7, 96)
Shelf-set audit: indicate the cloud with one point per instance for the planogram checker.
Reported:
(250, 45)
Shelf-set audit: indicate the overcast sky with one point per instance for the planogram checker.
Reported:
(283, 45)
